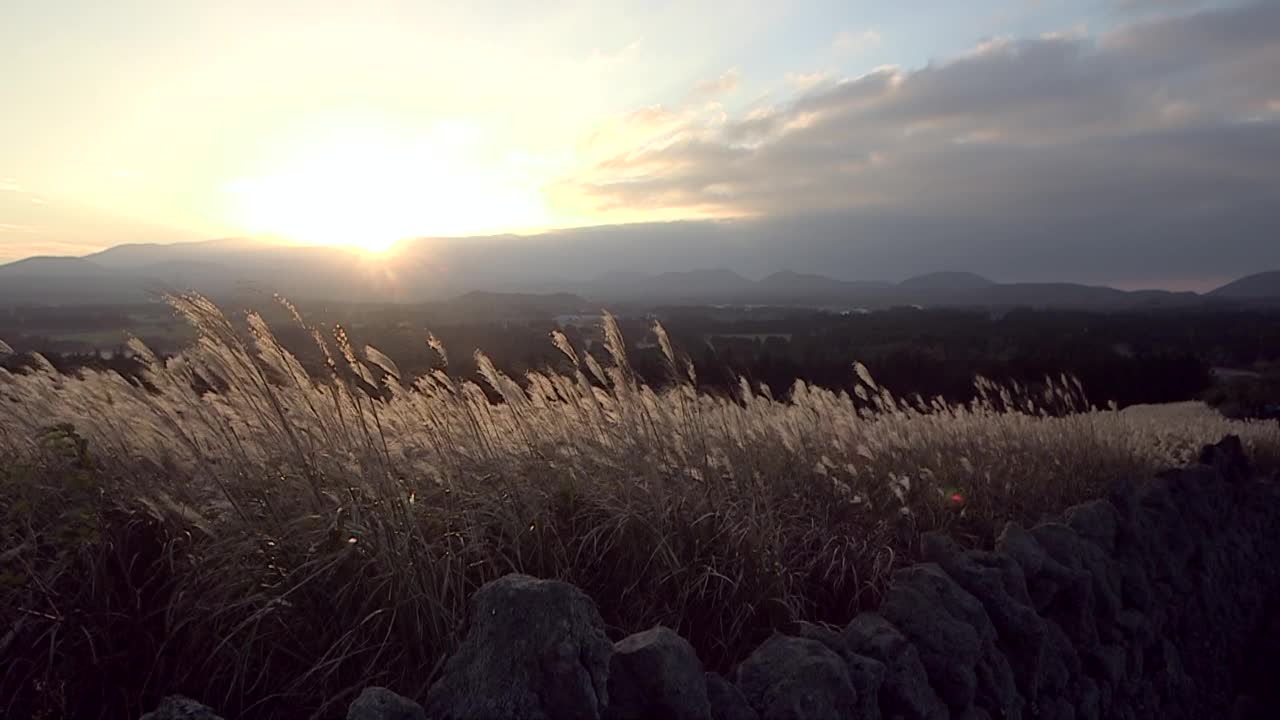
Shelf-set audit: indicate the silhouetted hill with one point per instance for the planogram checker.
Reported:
(429, 270)
(946, 280)
(1251, 287)
(502, 304)
(50, 267)
(139, 256)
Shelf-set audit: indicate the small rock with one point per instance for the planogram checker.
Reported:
(379, 703)
(727, 701)
(791, 678)
(1045, 576)
(656, 673)
(536, 650)
(1228, 458)
(177, 707)
(1097, 521)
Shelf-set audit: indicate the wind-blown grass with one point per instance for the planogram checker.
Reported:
(236, 530)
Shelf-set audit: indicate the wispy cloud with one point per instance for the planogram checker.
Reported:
(714, 88)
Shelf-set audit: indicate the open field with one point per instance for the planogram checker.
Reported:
(239, 532)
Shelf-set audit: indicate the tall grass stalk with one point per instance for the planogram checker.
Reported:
(235, 529)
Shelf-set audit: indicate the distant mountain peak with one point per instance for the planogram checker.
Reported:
(1256, 286)
(50, 266)
(947, 280)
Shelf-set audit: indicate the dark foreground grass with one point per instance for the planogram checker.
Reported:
(273, 547)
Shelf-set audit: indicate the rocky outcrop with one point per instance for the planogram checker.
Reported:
(654, 674)
(536, 650)
(1161, 600)
(792, 678)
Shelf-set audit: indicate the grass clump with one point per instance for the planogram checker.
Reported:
(236, 530)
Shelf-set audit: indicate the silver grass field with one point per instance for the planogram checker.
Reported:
(236, 529)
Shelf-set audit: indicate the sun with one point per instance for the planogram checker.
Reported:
(371, 192)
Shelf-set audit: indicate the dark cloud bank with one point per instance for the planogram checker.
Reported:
(1149, 155)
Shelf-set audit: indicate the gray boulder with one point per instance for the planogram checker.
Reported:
(656, 673)
(1046, 578)
(955, 638)
(1061, 661)
(791, 678)
(1167, 543)
(177, 707)
(949, 648)
(535, 650)
(727, 701)
(866, 674)
(999, 584)
(379, 703)
(1097, 521)
(905, 691)
(1093, 612)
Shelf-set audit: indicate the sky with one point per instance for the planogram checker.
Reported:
(1131, 142)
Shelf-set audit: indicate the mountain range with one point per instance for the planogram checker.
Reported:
(439, 270)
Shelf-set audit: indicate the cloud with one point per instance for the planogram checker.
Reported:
(603, 60)
(714, 88)
(10, 185)
(807, 81)
(854, 42)
(1156, 5)
(1019, 145)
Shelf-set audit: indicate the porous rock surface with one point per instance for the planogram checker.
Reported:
(535, 650)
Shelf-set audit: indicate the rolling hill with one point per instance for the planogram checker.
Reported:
(435, 270)
(1264, 285)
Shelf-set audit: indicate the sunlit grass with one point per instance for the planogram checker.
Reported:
(237, 530)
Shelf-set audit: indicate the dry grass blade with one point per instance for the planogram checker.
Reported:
(249, 533)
